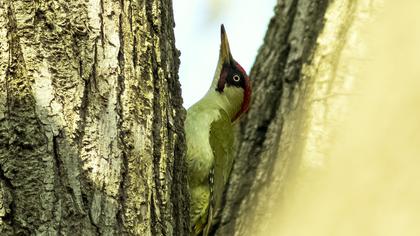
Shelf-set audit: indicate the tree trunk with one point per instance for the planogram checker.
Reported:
(91, 119)
(299, 79)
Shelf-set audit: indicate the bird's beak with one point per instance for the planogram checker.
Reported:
(226, 56)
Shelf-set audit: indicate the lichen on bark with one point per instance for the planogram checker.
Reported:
(91, 137)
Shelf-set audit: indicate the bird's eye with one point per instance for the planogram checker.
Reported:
(236, 78)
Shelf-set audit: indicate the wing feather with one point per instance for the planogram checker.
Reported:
(221, 141)
(209, 159)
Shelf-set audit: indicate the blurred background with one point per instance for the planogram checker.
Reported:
(197, 34)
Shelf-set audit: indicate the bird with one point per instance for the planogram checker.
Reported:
(209, 133)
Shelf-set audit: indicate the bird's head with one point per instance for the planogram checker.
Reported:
(231, 80)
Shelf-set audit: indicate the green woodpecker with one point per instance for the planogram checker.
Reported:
(209, 136)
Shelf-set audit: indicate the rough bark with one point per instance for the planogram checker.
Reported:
(91, 119)
(296, 92)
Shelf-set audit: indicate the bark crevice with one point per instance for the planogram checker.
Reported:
(122, 133)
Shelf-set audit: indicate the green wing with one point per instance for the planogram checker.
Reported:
(206, 163)
(221, 141)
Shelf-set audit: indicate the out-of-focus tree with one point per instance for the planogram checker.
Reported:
(216, 7)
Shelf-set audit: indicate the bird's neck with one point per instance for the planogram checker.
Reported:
(230, 100)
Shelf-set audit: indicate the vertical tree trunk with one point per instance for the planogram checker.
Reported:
(298, 79)
(91, 119)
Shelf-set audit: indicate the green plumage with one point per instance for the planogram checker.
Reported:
(210, 137)
(209, 134)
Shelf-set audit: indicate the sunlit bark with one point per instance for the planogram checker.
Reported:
(91, 119)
